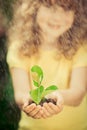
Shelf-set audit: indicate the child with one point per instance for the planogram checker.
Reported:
(51, 34)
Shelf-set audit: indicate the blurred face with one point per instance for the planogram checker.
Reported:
(54, 22)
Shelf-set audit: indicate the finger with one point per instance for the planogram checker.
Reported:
(27, 100)
(47, 106)
(55, 108)
(35, 111)
(26, 104)
(38, 116)
(29, 108)
(42, 114)
(60, 101)
(45, 112)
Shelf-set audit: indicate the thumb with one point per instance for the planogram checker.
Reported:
(26, 101)
(60, 100)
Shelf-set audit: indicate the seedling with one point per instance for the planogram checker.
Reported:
(38, 94)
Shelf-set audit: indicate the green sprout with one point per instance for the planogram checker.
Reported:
(38, 94)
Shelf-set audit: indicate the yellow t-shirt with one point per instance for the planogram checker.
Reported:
(57, 72)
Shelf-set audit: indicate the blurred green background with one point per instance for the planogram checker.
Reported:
(9, 112)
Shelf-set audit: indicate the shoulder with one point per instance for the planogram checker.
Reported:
(14, 59)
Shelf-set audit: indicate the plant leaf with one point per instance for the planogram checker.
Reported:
(35, 83)
(36, 94)
(52, 87)
(39, 72)
(49, 89)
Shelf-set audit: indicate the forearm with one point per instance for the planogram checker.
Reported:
(77, 87)
(72, 97)
(21, 85)
(21, 95)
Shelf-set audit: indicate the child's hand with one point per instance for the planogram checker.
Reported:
(23, 100)
(33, 110)
(50, 109)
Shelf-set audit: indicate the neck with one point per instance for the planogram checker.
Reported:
(48, 42)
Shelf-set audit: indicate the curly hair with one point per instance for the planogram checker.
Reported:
(24, 26)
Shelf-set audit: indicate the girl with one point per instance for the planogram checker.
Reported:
(51, 34)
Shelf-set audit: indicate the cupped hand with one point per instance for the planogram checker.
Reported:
(50, 109)
(24, 102)
(33, 111)
(47, 110)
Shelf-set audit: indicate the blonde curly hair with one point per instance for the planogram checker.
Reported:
(25, 27)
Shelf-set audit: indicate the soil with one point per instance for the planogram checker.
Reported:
(43, 101)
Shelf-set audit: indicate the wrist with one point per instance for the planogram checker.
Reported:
(59, 97)
(21, 98)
